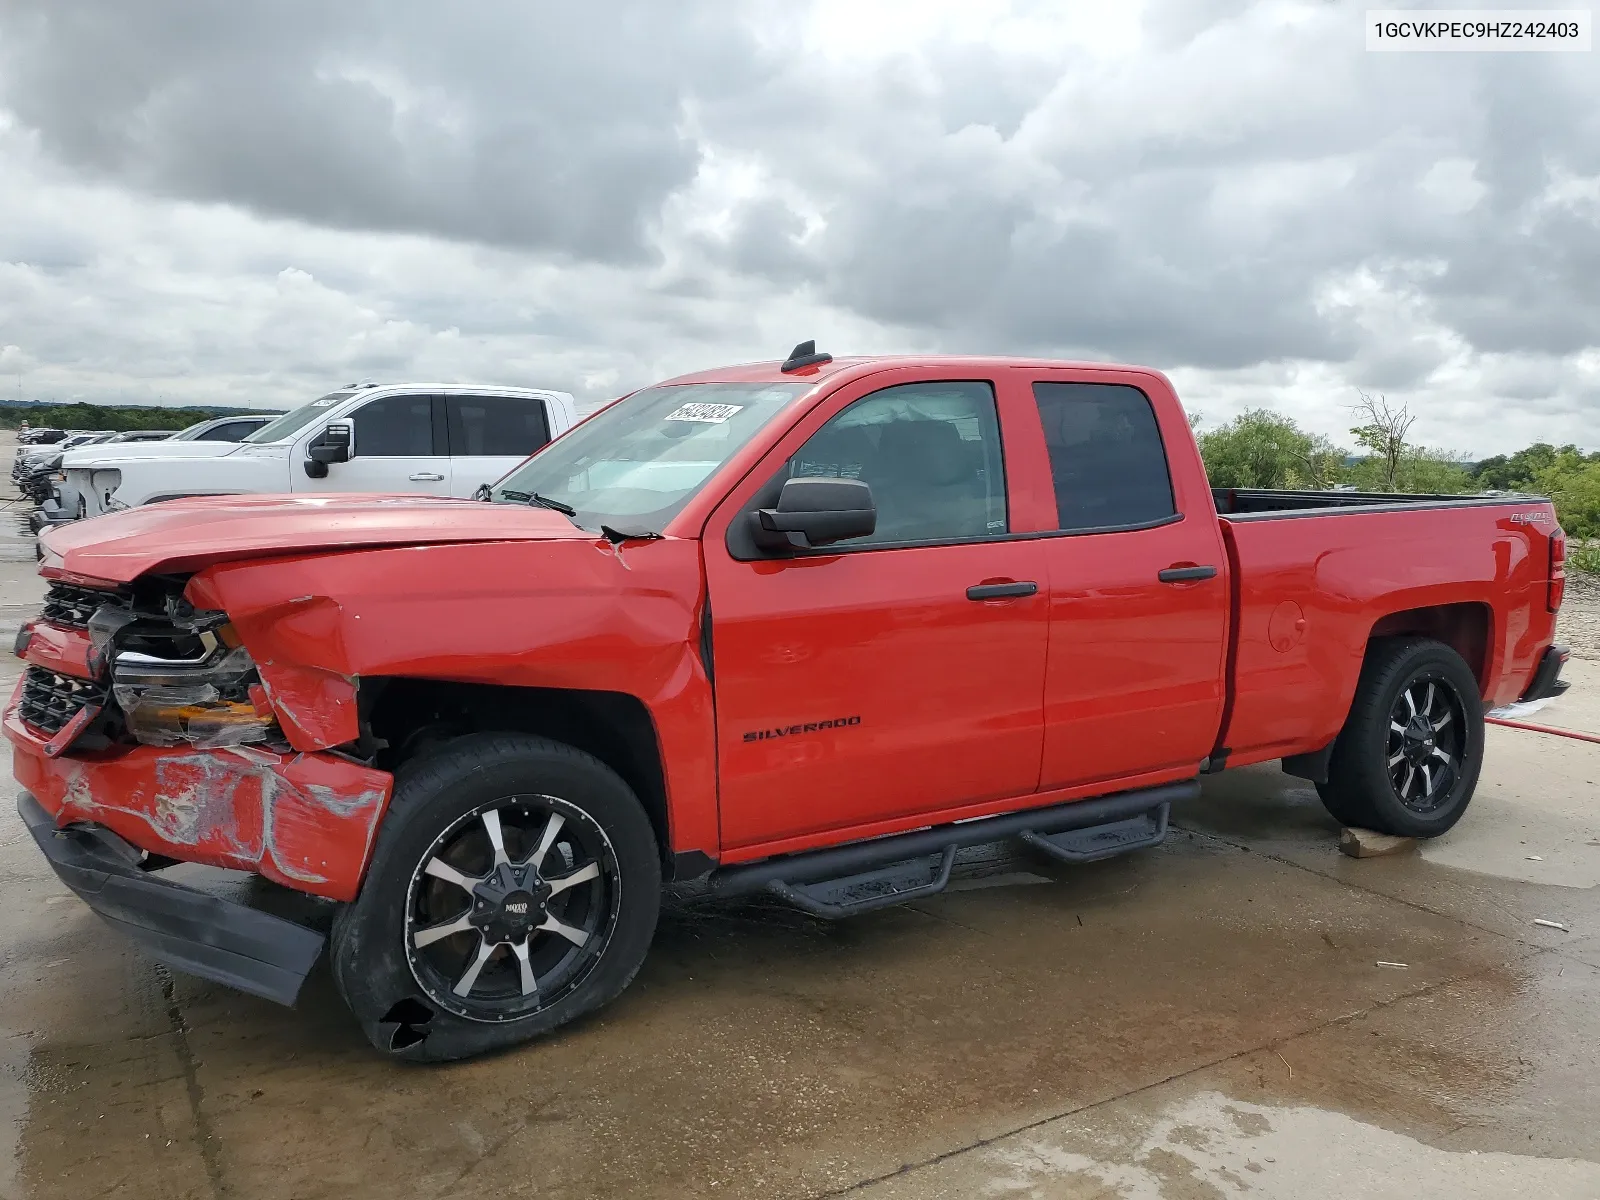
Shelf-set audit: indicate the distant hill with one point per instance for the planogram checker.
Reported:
(102, 416)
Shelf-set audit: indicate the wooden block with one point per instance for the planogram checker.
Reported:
(1367, 843)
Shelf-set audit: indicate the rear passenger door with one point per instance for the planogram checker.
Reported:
(489, 435)
(1138, 587)
(398, 446)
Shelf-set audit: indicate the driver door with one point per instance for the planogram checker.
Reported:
(398, 445)
(891, 676)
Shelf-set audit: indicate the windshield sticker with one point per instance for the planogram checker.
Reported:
(327, 401)
(706, 414)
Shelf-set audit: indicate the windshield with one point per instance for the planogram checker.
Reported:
(635, 464)
(293, 422)
(193, 431)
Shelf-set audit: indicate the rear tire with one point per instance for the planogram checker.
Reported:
(514, 886)
(1407, 760)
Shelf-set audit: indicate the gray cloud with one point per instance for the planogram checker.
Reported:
(545, 126)
(630, 188)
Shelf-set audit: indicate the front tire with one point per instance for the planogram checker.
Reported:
(1408, 757)
(514, 886)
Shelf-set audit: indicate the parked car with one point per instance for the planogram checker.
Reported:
(44, 473)
(74, 438)
(436, 439)
(226, 429)
(200, 439)
(801, 628)
(39, 435)
(34, 467)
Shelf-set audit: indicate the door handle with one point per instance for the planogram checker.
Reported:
(1001, 591)
(1185, 574)
(426, 477)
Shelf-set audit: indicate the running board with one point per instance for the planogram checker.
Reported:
(1102, 841)
(862, 876)
(898, 883)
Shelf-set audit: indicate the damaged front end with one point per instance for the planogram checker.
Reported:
(144, 735)
(199, 687)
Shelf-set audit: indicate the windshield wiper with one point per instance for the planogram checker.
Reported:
(617, 536)
(566, 510)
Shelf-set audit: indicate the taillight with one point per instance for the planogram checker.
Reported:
(1558, 573)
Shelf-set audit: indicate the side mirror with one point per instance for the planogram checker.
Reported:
(332, 446)
(815, 512)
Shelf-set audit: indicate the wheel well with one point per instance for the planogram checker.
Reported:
(401, 718)
(1462, 627)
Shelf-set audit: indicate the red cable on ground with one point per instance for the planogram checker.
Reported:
(1569, 733)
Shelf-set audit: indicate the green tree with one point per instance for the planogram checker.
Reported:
(1572, 480)
(118, 417)
(1264, 449)
(1396, 464)
(1418, 470)
(1518, 471)
(1383, 431)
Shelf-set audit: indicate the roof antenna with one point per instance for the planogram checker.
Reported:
(804, 355)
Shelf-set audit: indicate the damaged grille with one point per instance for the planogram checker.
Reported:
(70, 606)
(49, 700)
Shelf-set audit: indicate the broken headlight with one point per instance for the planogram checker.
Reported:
(203, 702)
(104, 484)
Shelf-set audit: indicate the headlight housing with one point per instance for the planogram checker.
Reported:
(203, 702)
(104, 484)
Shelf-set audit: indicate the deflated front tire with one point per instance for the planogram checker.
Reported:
(514, 886)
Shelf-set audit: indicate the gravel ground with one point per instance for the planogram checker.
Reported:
(1579, 625)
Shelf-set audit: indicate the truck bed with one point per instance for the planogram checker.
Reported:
(1318, 573)
(1245, 503)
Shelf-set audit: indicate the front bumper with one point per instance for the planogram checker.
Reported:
(51, 512)
(189, 930)
(306, 821)
(1547, 681)
(36, 487)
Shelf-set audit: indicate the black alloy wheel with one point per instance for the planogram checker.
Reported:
(510, 907)
(1408, 757)
(1426, 733)
(514, 886)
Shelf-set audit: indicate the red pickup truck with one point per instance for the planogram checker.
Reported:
(802, 627)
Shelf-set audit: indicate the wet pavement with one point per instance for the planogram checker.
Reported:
(1209, 1019)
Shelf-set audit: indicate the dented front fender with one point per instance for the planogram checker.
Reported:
(573, 614)
(299, 650)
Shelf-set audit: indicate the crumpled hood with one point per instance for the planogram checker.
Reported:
(182, 535)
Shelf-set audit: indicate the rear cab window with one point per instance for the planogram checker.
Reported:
(496, 426)
(1108, 465)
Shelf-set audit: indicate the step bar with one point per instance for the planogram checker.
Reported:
(867, 868)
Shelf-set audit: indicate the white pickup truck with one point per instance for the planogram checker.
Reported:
(63, 504)
(436, 439)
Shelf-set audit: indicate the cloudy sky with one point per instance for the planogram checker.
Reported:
(248, 203)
